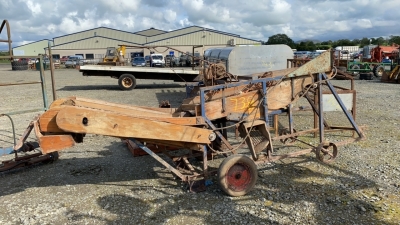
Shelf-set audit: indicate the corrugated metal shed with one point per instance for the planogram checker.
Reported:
(103, 32)
(183, 39)
(93, 43)
(174, 33)
(150, 32)
(31, 49)
(204, 38)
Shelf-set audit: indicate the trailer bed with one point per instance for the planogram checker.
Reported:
(155, 73)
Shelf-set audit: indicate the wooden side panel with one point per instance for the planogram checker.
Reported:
(280, 95)
(54, 143)
(276, 73)
(48, 124)
(98, 104)
(81, 120)
(163, 110)
(236, 90)
(47, 121)
(59, 102)
(214, 96)
(244, 103)
(134, 111)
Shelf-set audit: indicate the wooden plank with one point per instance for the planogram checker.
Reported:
(134, 111)
(52, 143)
(48, 124)
(81, 120)
(55, 143)
(275, 73)
(244, 103)
(47, 121)
(280, 95)
(187, 107)
(59, 102)
(236, 90)
(214, 96)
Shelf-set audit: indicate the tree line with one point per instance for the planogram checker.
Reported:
(309, 45)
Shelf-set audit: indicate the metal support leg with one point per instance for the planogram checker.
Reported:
(342, 106)
(205, 163)
(43, 83)
(320, 110)
(290, 115)
(159, 159)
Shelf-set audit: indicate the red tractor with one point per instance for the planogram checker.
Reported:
(381, 52)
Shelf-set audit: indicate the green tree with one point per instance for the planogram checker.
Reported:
(394, 39)
(356, 41)
(280, 39)
(306, 46)
(364, 41)
(343, 42)
(378, 41)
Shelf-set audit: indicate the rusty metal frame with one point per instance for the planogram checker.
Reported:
(20, 146)
(195, 184)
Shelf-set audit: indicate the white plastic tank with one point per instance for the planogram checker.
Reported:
(250, 59)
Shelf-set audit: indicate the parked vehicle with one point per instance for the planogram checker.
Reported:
(147, 59)
(196, 59)
(74, 61)
(114, 56)
(315, 54)
(373, 60)
(171, 60)
(138, 61)
(63, 59)
(185, 60)
(354, 55)
(302, 54)
(157, 60)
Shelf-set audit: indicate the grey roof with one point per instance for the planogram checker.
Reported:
(31, 43)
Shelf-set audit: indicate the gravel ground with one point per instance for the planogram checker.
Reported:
(100, 182)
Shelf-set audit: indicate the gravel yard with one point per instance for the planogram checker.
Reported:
(100, 182)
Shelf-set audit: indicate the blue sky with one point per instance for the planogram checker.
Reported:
(256, 19)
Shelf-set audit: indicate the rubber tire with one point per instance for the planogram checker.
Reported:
(126, 76)
(227, 164)
(377, 69)
(19, 65)
(355, 67)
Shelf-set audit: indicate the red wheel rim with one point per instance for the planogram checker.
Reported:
(239, 177)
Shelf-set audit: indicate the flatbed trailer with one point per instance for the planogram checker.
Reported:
(127, 75)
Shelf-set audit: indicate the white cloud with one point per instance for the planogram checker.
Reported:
(169, 15)
(121, 6)
(257, 19)
(34, 7)
(364, 23)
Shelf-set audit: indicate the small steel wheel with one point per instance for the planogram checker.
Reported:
(237, 175)
(326, 152)
(289, 139)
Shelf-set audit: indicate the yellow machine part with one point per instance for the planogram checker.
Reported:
(114, 56)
